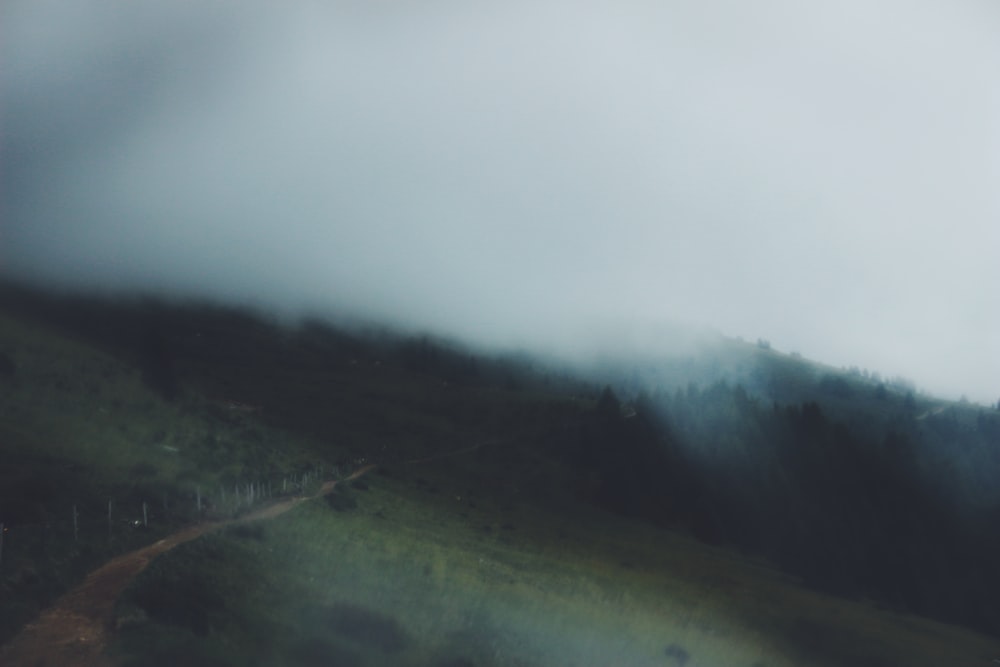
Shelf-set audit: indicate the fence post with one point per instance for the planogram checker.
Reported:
(145, 518)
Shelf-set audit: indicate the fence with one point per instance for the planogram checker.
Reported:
(120, 521)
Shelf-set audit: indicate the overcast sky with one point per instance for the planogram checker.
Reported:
(823, 175)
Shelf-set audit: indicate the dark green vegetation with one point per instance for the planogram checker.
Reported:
(876, 506)
(858, 485)
(511, 503)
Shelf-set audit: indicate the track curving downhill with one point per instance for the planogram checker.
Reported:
(75, 630)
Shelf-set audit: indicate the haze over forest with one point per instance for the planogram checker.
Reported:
(546, 174)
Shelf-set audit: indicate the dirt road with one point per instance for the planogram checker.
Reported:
(75, 630)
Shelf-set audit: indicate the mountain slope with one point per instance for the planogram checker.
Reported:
(517, 516)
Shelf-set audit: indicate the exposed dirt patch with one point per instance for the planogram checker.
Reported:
(75, 630)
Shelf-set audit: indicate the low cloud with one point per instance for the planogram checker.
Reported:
(821, 177)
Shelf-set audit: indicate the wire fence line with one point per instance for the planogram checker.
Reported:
(78, 525)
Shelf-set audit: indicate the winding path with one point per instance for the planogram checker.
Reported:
(75, 630)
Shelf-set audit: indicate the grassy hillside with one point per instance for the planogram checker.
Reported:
(88, 449)
(516, 517)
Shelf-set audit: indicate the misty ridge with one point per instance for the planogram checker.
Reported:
(862, 487)
(504, 255)
(506, 174)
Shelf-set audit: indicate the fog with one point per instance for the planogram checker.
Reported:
(822, 176)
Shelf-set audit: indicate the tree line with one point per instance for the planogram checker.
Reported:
(858, 511)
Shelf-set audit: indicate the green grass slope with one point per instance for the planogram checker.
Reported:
(402, 576)
(484, 537)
